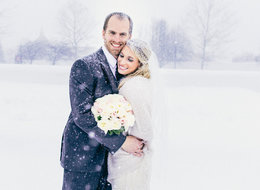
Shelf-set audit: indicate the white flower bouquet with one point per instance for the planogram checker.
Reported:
(113, 114)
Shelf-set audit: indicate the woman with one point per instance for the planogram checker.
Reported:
(126, 171)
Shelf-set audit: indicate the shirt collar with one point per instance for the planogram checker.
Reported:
(111, 60)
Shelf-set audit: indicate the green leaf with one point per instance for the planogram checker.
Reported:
(117, 132)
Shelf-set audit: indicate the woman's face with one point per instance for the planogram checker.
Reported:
(127, 61)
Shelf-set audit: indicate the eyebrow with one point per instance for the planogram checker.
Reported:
(112, 31)
(130, 57)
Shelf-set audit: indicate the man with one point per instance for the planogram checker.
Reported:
(85, 146)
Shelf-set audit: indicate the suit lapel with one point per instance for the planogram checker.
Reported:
(107, 71)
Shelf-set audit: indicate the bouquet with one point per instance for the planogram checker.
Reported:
(113, 114)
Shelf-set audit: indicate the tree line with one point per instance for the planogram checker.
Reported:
(202, 37)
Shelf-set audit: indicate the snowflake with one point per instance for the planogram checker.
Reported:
(86, 148)
(98, 168)
(87, 187)
(91, 135)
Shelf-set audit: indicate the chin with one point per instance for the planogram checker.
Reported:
(116, 50)
(122, 73)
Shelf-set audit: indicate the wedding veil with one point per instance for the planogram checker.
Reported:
(159, 124)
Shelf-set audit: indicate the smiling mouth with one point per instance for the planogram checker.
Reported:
(122, 68)
(115, 45)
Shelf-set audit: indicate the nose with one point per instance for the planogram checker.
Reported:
(116, 38)
(121, 61)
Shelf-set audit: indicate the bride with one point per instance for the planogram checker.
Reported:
(126, 171)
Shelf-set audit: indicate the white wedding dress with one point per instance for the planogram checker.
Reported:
(125, 171)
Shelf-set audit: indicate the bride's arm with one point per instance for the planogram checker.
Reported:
(138, 92)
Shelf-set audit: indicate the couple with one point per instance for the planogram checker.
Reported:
(93, 160)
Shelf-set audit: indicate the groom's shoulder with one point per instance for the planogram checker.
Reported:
(93, 58)
(90, 61)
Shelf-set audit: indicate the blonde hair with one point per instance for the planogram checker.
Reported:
(143, 53)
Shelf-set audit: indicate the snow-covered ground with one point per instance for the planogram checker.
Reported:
(34, 106)
(213, 128)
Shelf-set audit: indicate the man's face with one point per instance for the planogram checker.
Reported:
(116, 35)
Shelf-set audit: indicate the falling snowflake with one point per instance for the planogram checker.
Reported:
(86, 148)
(91, 134)
(98, 168)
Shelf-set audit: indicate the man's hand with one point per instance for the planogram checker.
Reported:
(133, 146)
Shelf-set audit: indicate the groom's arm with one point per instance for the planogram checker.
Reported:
(82, 84)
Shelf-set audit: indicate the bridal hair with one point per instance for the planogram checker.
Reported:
(120, 16)
(143, 52)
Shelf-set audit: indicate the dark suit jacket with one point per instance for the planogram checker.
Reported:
(84, 145)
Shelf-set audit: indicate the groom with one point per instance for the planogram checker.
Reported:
(84, 146)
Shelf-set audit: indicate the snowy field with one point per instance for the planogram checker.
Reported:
(212, 125)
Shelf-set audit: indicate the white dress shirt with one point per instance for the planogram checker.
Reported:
(111, 60)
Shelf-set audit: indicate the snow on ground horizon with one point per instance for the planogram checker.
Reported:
(212, 127)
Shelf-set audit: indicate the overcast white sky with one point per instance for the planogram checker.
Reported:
(26, 18)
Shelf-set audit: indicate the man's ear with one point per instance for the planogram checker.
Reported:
(103, 33)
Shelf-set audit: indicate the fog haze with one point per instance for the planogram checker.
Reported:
(25, 19)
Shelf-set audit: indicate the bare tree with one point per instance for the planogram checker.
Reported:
(76, 25)
(58, 51)
(32, 50)
(179, 45)
(28, 51)
(159, 40)
(170, 45)
(210, 25)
